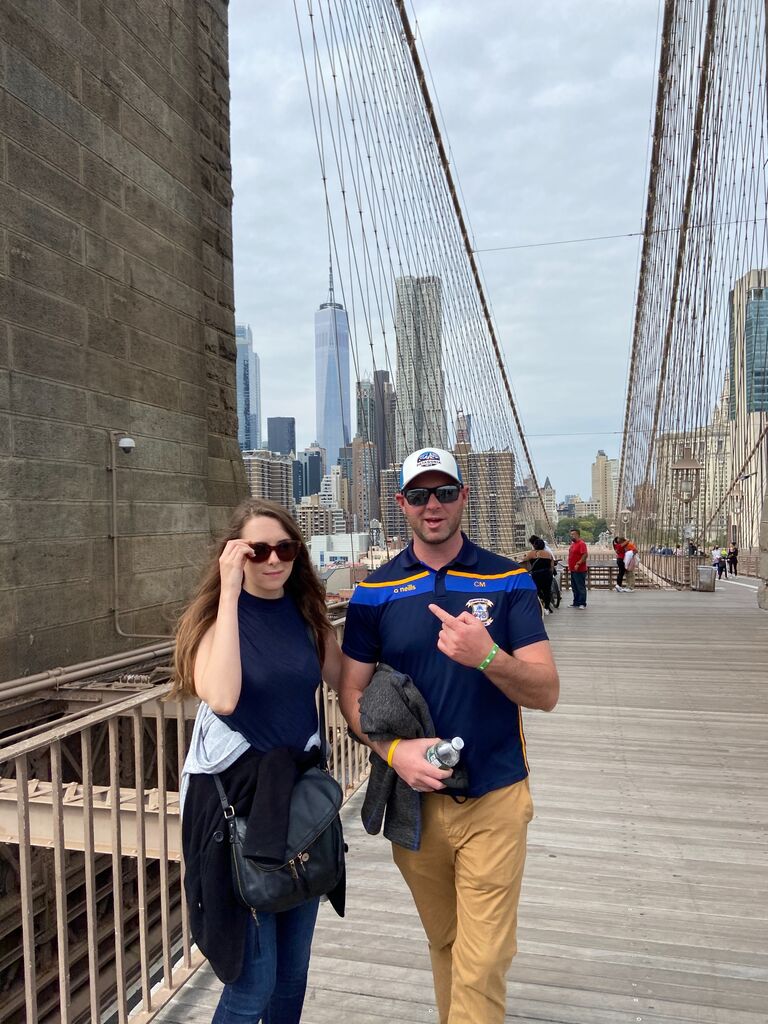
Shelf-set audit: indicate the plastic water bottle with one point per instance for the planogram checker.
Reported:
(445, 753)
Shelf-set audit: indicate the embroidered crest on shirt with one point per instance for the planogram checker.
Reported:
(481, 609)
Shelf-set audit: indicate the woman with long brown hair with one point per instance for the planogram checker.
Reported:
(253, 645)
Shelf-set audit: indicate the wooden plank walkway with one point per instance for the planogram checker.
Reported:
(646, 890)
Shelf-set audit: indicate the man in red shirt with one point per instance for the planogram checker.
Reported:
(577, 567)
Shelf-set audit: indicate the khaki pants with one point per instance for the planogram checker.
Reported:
(465, 880)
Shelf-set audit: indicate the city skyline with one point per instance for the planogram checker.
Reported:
(560, 311)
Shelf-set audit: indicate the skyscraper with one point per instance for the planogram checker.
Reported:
(281, 434)
(332, 392)
(385, 405)
(248, 385)
(366, 410)
(311, 461)
(420, 390)
(605, 473)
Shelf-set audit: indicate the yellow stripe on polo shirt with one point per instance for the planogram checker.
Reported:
(480, 576)
(396, 583)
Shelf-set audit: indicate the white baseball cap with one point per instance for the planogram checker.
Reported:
(427, 460)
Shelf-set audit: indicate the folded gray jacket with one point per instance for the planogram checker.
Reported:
(391, 706)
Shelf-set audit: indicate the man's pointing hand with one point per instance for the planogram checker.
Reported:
(462, 638)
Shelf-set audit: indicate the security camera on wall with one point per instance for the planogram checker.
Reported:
(126, 445)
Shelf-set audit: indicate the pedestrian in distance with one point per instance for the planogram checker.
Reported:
(577, 567)
(464, 624)
(722, 565)
(733, 559)
(253, 645)
(542, 566)
(619, 549)
(630, 564)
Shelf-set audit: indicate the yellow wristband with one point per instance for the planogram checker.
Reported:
(391, 751)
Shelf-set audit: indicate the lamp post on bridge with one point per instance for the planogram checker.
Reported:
(686, 486)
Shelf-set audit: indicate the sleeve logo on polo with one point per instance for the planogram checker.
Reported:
(481, 609)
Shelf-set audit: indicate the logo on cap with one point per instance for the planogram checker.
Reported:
(427, 459)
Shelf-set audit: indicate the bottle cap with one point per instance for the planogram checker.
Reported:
(457, 743)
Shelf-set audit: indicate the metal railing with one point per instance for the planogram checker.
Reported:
(92, 803)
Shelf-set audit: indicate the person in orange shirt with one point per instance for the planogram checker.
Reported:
(630, 562)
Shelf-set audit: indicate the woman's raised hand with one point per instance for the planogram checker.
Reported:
(232, 564)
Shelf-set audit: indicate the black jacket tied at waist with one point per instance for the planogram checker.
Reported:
(259, 787)
(392, 707)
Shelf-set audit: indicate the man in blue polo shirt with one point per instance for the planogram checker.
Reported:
(465, 624)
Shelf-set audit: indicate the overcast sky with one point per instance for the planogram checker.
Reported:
(547, 108)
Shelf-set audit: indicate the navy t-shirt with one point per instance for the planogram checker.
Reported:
(281, 674)
(388, 620)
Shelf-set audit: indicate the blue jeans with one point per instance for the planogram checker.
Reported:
(273, 981)
(579, 588)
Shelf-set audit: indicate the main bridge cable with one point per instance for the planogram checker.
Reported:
(421, 181)
(411, 41)
(724, 431)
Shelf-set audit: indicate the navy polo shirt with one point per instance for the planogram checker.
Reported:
(389, 620)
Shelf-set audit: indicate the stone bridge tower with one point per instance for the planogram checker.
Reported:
(116, 316)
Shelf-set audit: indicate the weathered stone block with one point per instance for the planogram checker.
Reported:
(40, 480)
(169, 552)
(50, 561)
(60, 519)
(23, 125)
(127, 232)
(55, 274)
(28, 218)
(43, 607)
(163, 287)
(149, 589)
(106, 335)
(173, 487)
(109, 412)
(100, 99)
(152, 453)
(173, 426)
(104, 257)
(7, 613)
(129, 160)
(39, 47)
(191, 397)
(71, 443)
(60, 19)
(5, 390)
(36, 397)
(166, 358)
(28, 307)
(188, 268)
(99, 176)
(172, 154)
(32, 87)
(6, 521)
(147, 518)
(192, 460)
(41, 356)
(5, 439)
(156, 215)
(128, 307)
(50, 648)
(53, 188)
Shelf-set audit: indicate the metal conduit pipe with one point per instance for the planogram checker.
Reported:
(20, 687)
(137, 653)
